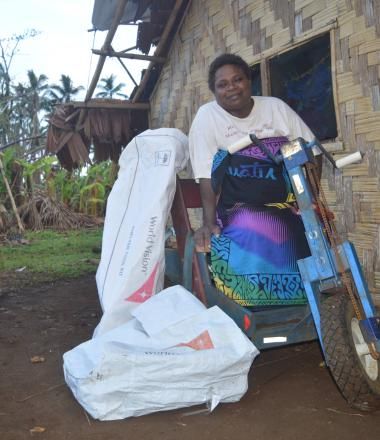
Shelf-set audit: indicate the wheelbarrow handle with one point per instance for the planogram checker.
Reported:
(248, 140)
(251, 138)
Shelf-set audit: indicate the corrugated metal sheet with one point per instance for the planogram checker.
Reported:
(104, 11)
(152, 16)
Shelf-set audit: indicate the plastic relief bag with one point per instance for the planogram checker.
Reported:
(132, 263)
(173, 353)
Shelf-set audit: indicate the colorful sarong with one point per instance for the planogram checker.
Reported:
(254, 260)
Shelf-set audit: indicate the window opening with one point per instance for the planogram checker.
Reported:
(302, 78)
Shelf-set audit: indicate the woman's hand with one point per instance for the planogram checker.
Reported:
(202, 237)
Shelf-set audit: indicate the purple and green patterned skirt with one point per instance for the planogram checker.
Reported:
(254, 260)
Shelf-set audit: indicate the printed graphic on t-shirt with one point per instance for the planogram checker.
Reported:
(232, 131)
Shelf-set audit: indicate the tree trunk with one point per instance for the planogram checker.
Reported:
(2, 171)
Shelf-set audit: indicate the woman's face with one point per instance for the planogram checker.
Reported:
(233, 90)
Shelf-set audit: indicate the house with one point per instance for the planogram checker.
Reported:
(321, 56)
(270, 35)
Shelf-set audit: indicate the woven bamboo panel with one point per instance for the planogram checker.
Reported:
(256, 29)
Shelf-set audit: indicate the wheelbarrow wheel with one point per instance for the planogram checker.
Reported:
(355, 371)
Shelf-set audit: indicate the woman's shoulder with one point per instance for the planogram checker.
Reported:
(271, 104)
(208, 107)
(207, 113)
(269, 101)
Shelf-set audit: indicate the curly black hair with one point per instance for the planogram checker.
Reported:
(222, 60)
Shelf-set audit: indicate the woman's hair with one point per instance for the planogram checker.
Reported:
(222, 60)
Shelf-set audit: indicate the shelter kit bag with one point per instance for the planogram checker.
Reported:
(172, 353)
(132, 261)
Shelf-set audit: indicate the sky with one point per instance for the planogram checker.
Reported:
(63, 45)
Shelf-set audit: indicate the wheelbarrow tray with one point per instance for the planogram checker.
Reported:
(266, 326)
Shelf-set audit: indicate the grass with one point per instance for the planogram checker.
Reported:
(52, 255)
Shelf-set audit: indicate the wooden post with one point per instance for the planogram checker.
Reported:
(106, 46)
(131, 56)
(9, 191)
(161, 44)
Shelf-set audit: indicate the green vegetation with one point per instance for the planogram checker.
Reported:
(52, 255)
(108, 88)
(36, 193)
(48, 196)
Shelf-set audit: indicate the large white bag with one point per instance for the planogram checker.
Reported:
(173, 353)
(132, 262)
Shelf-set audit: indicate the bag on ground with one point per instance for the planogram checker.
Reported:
(173, 353)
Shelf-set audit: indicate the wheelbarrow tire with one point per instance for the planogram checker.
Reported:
(360, 389)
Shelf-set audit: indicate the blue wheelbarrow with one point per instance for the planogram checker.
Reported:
(340, 312)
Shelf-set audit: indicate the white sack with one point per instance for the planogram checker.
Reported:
(132, 262)
(198, 358)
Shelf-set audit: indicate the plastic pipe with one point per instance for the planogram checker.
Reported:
(348, 160)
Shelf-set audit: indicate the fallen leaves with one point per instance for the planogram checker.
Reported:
(37, 359)
(37, 430)
(20, 269)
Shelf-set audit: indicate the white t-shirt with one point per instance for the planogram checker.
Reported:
(214, 128)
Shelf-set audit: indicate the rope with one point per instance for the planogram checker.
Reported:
(334, 239)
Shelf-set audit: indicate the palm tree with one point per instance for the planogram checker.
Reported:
(4, 81)
(8, 50)
(36, 98)
(109, 89)
(29, 101)
(65, 91)
(20, 114)
(5, 104)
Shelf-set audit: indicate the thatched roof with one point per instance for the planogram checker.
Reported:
(106, 125)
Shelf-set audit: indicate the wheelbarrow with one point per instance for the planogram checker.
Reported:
(340, 312)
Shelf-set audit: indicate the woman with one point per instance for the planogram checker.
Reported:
(249, 218)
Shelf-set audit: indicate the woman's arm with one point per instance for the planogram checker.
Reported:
(203, 146)
(203, 234)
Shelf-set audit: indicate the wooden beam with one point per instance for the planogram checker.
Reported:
(159, 48)
(132, 56)
(128, 72)
(107, 42)
(334, 35)
(265, 79)
(129, 48)
(127, 105)
(3, 147)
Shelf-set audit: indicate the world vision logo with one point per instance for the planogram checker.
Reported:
(201, 342)
(162, 158)
(146, 290)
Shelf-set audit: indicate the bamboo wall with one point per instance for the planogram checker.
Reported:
(261, 28)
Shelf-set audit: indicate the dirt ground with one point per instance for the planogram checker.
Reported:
(291, 395)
